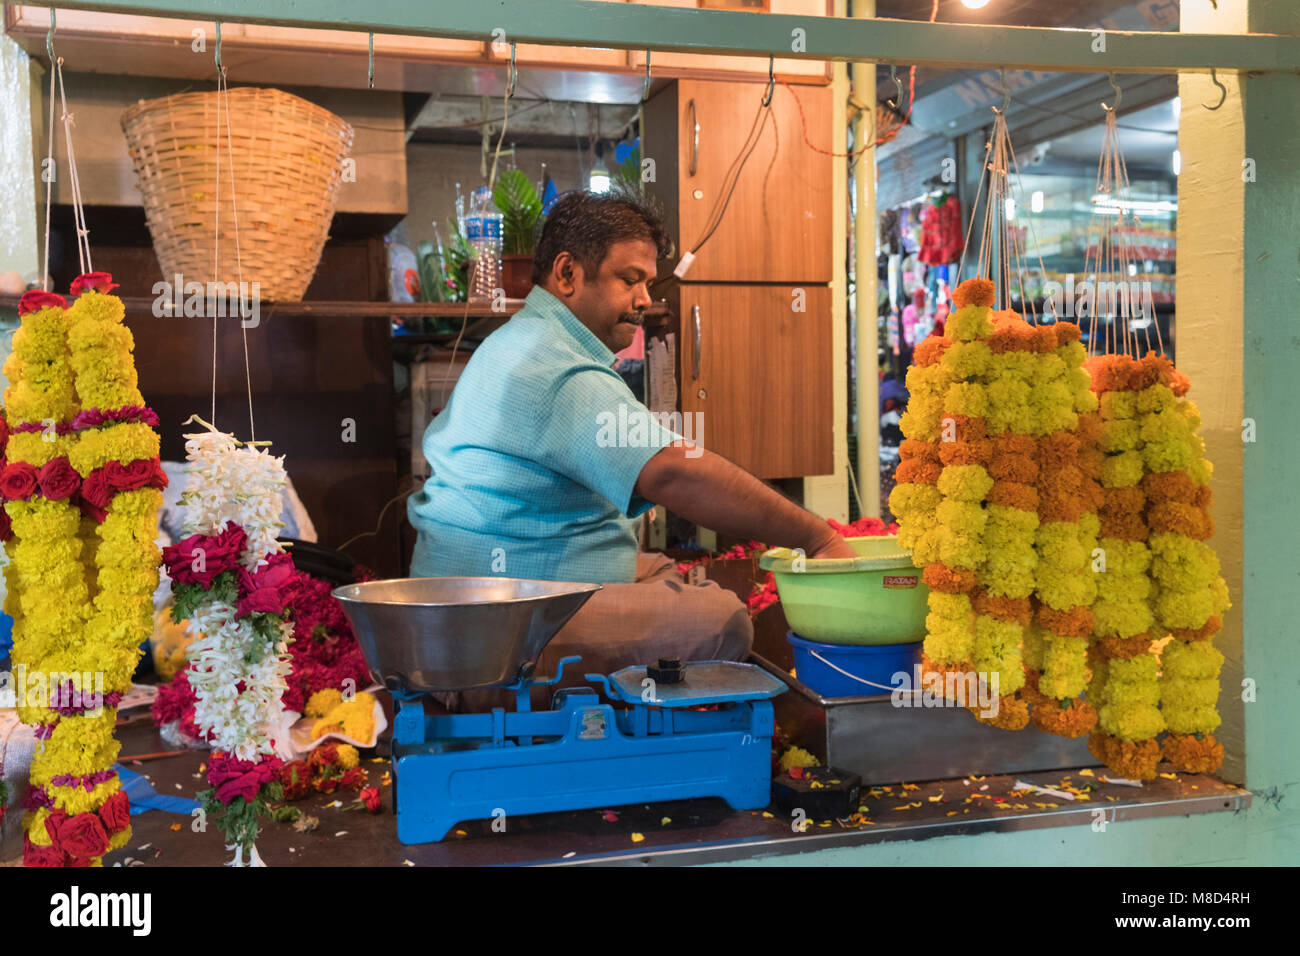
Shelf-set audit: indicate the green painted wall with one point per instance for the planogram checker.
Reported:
(1248, 236)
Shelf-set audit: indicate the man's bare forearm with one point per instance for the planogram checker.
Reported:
(714, 493)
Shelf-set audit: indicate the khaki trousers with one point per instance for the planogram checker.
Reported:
(623, 625)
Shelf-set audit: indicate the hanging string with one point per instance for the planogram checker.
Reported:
(224, 90)
(51, 172)
(216, 227)
(78, 209)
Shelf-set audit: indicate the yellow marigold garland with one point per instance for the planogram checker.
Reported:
(1189, 594)
(81, 588)
(1124, 688)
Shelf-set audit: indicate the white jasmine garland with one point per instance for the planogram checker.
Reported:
(241, 485)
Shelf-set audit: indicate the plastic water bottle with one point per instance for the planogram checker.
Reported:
(483, 231)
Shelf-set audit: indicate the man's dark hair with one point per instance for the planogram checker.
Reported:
(585, 224)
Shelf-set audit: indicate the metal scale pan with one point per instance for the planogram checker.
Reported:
(445, 634)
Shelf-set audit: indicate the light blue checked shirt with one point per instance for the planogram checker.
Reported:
(535, 459)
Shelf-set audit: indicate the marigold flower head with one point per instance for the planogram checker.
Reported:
(963, 428)
(1110, 373)
(918, 470)
(1170, 486)
(1003, 608)
(923, 450)
(964, 452)
(931, 350)
(940, 577)
(1067, 332)
(1013, 713)
(969, 323)
(1111, 646)
(1014, 494)
(1076, 719)
(1073, 622)
(979, 292)
(1131, 760)
(1191, 754)
(1174, 517)
(1122, 501)
(1011, 467)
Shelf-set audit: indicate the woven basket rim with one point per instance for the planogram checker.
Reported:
(173, 101)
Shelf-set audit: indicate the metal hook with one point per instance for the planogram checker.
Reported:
(49, 39)
(1118, 93)
(645, 87)
(771, 81)
(897, 102)
(371, 73)
(1214, 78)
(1006, 92)
(220, 68)
(514, 75)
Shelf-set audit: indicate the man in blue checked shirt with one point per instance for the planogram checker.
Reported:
(543, 459)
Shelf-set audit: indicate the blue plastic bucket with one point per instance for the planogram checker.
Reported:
(831, 669)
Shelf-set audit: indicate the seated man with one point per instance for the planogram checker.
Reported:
(534, 476)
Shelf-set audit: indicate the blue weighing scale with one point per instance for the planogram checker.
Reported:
(627, 739)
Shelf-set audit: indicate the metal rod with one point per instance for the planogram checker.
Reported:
(628, 26)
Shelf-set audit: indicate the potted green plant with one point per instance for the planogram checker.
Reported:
(521, 211)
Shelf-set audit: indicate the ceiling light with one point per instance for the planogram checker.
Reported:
(974, 4)
(1177, 162)
(1036, 200)
(1010, 209)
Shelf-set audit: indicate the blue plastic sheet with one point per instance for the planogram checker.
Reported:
(144, 797)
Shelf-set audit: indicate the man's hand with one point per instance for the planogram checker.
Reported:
(839, 548)
(711, 491)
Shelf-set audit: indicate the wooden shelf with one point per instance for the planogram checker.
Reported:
(402, 310)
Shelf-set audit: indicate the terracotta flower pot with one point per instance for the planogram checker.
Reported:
(517, 275)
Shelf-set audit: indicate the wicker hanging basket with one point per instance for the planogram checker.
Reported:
(287, 158)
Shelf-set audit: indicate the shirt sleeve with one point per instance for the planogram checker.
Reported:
(597, 434)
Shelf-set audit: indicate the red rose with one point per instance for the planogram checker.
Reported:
(90, 511)
(353, 779)
(245, 785)
(93, 281)
(95, 489)
(83, 835)
(327, 784)
(53, 822)
(159, 478)
(372, 799)
(18, 480)
(129, 477)
(6, 526)
(34, 855)
(58, 479)
(4, 434)
(36, 299)
(241, 778)
(219, 553)
(267, 589)
(116, 812)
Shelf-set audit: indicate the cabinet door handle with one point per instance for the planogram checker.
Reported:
(695, 138)
(695, 314)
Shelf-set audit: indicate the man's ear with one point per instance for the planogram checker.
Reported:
(567, 274)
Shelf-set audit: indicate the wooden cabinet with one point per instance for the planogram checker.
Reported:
(778, 222)
(760, 376)
(757, 298)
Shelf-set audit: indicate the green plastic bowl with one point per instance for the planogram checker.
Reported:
(875, 598)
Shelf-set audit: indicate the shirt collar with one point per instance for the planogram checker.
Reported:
(542, 303)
